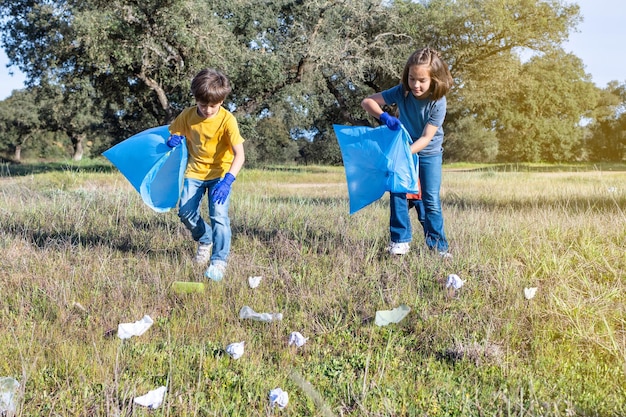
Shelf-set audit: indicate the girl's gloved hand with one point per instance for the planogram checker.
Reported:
(222, 189)
(391, 122)
(175, 140)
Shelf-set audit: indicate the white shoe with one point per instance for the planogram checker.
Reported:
(203, 254)
(445, 255)
(396, 248)
(216, 270)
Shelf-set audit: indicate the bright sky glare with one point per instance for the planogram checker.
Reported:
(599, 43)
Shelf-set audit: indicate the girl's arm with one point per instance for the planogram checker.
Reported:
(424, 140)
(373, 104)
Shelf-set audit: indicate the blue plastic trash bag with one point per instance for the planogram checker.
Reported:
(376, 160)
(153, 168)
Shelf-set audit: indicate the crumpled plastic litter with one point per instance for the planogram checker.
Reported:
(254, 282)
(296, 338)
(8, 395)
(279, 397)
(152, 399)
(248, 313)
(454, 281)
(385, 317)
(235, 350)
(529, 293)
(128, 330)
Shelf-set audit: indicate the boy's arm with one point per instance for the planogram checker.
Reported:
(238, 160)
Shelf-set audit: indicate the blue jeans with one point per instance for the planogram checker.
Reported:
(218, 232)
(428, 209)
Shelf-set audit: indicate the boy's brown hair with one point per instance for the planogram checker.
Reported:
(441, 78)
(210, 86)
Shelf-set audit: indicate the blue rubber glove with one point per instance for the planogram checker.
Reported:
(175, 140)
(391, 122)
(222, 189)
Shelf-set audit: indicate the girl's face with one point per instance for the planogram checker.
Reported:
(207, 110)
(419, 81)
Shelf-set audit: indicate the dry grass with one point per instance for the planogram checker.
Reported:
(80, 254)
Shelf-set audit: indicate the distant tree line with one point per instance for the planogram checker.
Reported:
(100, 71)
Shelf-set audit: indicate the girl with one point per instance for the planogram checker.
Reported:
(421, 102)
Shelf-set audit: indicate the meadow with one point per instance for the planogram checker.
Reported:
(80, 253)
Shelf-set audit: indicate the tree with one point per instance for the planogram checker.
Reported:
(607, 141)
(306, 65)
(70, 109)
(273, 143)
(19, 118)
(542, 122)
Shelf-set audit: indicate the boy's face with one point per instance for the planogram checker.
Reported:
(207, 110)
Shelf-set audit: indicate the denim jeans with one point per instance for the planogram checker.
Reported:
(428, 209)
(218, 232)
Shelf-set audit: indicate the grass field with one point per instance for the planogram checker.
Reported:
(80, 253)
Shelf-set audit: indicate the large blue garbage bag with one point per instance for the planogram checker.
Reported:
(376, 160)
(153, 168)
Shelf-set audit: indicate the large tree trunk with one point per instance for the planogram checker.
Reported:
(18, 153)
(77, 144)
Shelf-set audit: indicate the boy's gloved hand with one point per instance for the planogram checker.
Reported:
(391, 122)
(222, 189)
(175, 140)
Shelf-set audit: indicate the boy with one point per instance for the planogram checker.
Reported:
(216, 156)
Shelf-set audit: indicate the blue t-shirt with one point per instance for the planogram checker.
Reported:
(416, 113)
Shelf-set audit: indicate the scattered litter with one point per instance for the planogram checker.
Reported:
(454, 282)
(529, 293)
(248, 313)
(8, 395)
(127, 330)
(235, 350)
(314, 394)
(79, 306)
(384, 317)
(254, 282)
(296, 338)
(612, 189)
(152, 399)
(183, 287)
(279, 397)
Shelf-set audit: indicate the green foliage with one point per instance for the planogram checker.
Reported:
(122, 67)
(607, 141)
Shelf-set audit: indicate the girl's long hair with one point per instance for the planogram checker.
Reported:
(439, 73)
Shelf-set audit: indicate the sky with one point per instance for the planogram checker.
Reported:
(599, 42)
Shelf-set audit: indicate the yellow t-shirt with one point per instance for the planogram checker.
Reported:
(209, 142)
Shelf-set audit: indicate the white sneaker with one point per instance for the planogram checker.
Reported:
(216, 270)
(396, 248)
(445, 255)
(203, 254)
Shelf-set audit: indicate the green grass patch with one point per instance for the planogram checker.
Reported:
(80, 253)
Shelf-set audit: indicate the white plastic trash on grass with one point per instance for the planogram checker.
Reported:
(454, 281)
(296, 339)
(152, 399)
(385, 317)
(8, 395)
(279, 397)
(529, 293)
(128, 330)
(235, 350)
(254, 282)
(248, 313)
